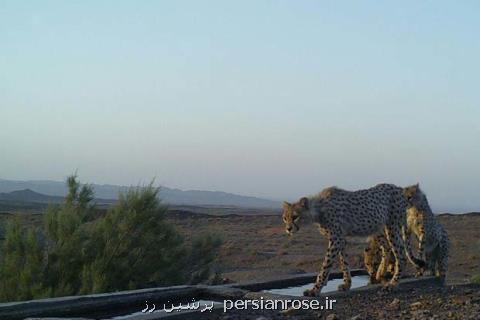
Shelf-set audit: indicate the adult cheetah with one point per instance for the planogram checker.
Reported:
(340, 213)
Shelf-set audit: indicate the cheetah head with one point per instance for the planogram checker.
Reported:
(414, 195)
(416, 201)
(292, 214)
(416, 218)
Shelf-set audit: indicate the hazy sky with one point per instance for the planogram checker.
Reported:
(269, 98)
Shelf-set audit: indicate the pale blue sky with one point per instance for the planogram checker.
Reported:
(269, 98)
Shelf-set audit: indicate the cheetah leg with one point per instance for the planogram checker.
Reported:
(382, 268)
(436, 269)
(442, 267)
(347, 279)
(421, 254)
(440, 262)
(394, 238)
(417, 262)
(431, 263)
(421, 245)
(322, 278)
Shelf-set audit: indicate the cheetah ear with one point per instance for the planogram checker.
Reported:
(367, 249)
(286, 205)
(303, 202)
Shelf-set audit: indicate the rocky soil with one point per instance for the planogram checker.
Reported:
(451, 302)
(256, 248)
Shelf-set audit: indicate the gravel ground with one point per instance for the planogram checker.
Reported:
(450, 302)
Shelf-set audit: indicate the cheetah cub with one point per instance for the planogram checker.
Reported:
(372, 258)
(433, 242)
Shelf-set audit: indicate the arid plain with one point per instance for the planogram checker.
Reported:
(256, 246)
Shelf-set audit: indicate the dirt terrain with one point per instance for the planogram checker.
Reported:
(257, 247)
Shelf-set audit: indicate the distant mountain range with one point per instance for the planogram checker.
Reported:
(28, 195)
(44, 191)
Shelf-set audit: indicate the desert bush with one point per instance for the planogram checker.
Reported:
(198, 264)
(131, 246)
(67, 232)
(21, 269)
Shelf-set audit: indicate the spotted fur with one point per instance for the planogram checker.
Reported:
(340, 213)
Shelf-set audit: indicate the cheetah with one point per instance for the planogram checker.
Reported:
(433, 242)
(372, 258)
(340, 213)
(379, 260)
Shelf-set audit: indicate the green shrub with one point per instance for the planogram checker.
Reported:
(67, 233)
(131, 246)
(200, 258)
(21, 270)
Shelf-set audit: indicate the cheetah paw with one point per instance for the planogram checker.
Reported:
(344, 287)
(419, 273)
(390, 286)
(310, 292)
(372, 280)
